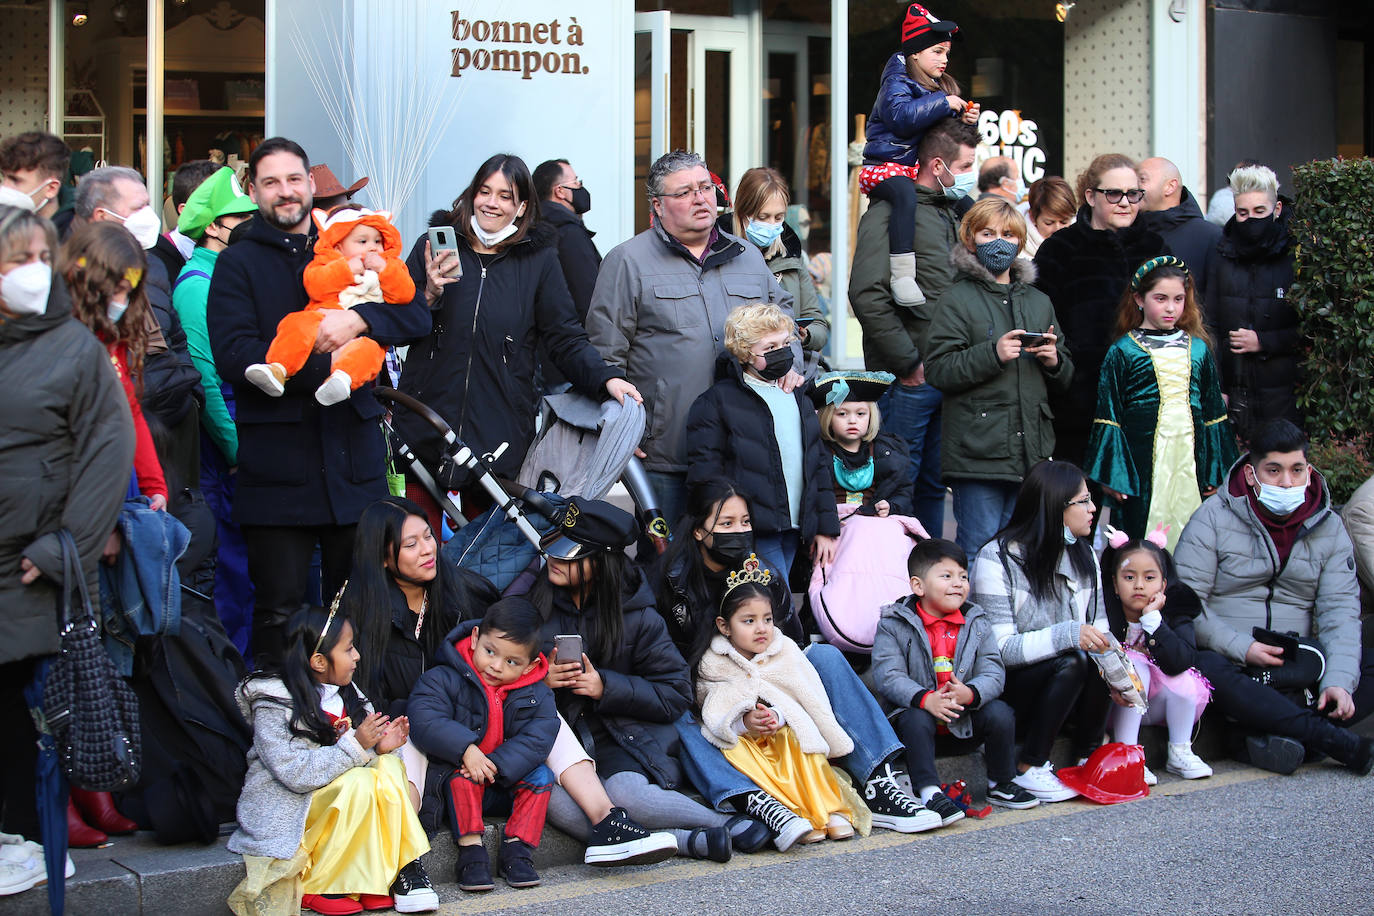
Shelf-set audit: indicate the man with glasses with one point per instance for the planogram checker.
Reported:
(563, 201)
(659, 308)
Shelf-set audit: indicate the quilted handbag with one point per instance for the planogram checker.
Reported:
(90, 712)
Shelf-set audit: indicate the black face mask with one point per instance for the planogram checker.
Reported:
(581, 200)
(1254, 231)
(730, 548)
(776, 364)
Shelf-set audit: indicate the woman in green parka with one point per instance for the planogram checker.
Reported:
(993, 352)
(1160, 440)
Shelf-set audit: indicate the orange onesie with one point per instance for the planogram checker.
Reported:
(331, 284)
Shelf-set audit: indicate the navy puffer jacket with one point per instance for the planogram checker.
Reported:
(902, 113)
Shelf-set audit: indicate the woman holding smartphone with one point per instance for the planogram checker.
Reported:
(493, 299)
(994, 354)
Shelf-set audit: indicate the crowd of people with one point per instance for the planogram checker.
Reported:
(197, 407)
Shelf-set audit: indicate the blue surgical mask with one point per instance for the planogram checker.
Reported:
(1069, 537)
(762, 234)
(963, 184)
(1020, 190)
(1281, 500)
(997, 255)
(115, 310)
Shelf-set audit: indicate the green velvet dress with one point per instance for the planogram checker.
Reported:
(1160, 435)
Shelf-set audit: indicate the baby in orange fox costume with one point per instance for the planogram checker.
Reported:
(357, 259)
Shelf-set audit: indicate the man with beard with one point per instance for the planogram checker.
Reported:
(305, 471)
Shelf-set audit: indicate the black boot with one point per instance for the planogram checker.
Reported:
(473, 871)
(515, 863)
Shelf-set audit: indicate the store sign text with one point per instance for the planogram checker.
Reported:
(1006, 133)
(525, 61)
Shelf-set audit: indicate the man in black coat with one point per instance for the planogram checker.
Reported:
(563, 200)
(305, 471)
(1171, 211)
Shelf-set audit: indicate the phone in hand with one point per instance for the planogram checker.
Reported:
(1033, 339)
(443, 238)
(567, 649)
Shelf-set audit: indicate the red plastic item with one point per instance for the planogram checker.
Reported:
(98, 809)
(331, 905)
(376, 901)
(1114, 773)
(80, 835)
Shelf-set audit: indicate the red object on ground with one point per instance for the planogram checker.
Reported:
(331, 906)
(1114, 773)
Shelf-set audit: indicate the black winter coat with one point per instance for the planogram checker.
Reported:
(891, 473)
(580, 261)
(299, 463)
(1248, 288)
(448, 714)
(476, 368)
(171, 382)
(1172, 645)
(1084, 271)
(688, 610)
(730, 435)
(1189, 236)
(647, 684)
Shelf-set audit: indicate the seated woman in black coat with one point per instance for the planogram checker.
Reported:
(404, 598)
(631, 684)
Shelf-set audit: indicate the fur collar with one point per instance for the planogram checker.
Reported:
(965, 261)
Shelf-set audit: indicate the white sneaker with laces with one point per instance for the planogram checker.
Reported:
(1150, 778)
(1043, 784)
(21, 867)
(1183, 762)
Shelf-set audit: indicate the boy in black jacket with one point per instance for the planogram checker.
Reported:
(486, 713)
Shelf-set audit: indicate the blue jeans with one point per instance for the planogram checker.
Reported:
(776, 552)
(671, 490)
(981, 509)
(914, 414)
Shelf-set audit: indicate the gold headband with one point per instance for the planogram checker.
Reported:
(750, 572)
(333, 609)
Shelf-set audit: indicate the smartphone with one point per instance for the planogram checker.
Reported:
(443, 238)
(568, 649)
(803, 322)
(1033, 339)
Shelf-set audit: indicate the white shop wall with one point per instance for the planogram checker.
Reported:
(377, 47)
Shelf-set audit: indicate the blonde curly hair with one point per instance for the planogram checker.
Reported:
(748, 324)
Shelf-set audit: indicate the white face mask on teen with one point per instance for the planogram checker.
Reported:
(25, 289)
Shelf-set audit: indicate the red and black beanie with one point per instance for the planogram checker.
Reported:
(920, 30)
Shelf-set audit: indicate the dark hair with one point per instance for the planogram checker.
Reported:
(704, 501)
(93, 263)
(737, 596)
(1112, 558)
(275, 145)
(516, 619)
(189, 177)
(931, 551)
(1052, 194)
(369, 598)
(993, 171)
(515, 172)
(1277, 436)
(1037, 524)
(547, 176)
(611, 578)
(43, 152)
(308, 720)
(945, 140)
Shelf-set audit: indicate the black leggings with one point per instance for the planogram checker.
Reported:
(1048, 693)
(900, 192)
(20, 759)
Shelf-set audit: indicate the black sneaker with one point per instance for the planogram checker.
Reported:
(515, 863)
(473, 869)
(746, 834)
(412, 891)
(712, 843)
(892, 808)
(785, 826)
(1362, 760)
(942, 805)
(1008, 794)
(620, 840)
(1274, 753)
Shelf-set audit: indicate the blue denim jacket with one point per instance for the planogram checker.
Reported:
(140, 595)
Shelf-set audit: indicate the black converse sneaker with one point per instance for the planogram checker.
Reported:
(785, 826)
(619, 840)
(412, 891)
(1009, 795)
(892, 808)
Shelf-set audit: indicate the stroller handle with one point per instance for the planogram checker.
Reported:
(420, 409)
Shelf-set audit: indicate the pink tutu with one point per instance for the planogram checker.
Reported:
(1190, 683)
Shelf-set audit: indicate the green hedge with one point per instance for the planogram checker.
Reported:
(1333, 223)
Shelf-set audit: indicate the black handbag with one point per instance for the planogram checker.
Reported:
(1304, 661)
(91, 713)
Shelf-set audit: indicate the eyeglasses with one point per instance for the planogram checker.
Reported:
(1084, 501)
(1114, 195)
(701, 190)
(572, 185)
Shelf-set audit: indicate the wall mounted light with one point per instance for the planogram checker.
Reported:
(80, 14)
(1062, 10)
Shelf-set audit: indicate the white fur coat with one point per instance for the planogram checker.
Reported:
(728, 686)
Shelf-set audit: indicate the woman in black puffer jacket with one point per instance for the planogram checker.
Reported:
(1084, 268)
(477, 366)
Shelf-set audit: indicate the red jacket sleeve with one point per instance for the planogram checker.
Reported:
(146, 465)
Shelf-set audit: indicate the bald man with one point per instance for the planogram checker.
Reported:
(1172, 212)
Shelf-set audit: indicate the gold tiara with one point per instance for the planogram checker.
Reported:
(750, 572)
(333, 609)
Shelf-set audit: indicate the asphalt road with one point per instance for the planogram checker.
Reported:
(1242, 842)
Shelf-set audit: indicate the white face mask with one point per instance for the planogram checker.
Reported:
(13, 197)
(25, 289)
(116, 310)
(492, 239)
(1281, 500)
(142, 224)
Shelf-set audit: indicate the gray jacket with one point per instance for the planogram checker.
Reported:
(658, 314)
(283, 770)
(903, 668)
(1228, 558)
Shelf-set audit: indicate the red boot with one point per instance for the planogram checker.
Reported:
(79, 834)
(98, 810)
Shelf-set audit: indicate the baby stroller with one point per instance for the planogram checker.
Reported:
(582, 449)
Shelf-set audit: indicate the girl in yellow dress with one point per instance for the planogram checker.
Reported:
(325, 820)
(764, 706)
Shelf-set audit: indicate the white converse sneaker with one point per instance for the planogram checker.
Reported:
(1150, 778)
(334, 389)
(1043, 784)
(1183, 762)
(894, 808)
(270, 377)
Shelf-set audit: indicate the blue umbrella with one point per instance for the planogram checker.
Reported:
(50, 787)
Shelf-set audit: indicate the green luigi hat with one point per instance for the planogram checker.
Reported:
(838, 387)
(589, 526)
(219, 195)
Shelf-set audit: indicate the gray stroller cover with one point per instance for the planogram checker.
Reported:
(583, 445)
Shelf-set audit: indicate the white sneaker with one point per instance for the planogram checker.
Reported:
(21, 867)
(1043, 784)
(334, 389)
(269, 377)
(1150, 778)
(1183, 762)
